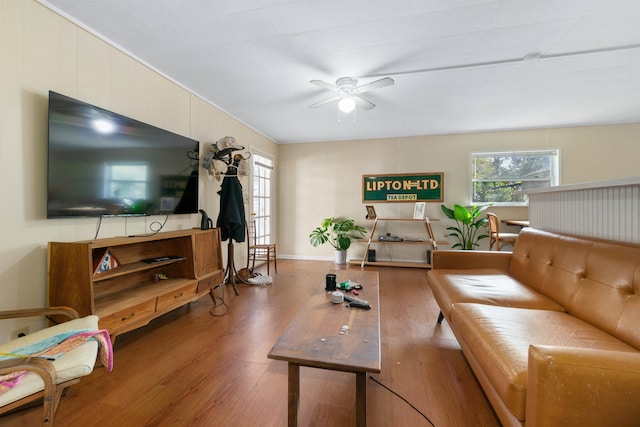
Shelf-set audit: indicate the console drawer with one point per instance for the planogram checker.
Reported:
(181, 295)
(206, 284)
(135, 314)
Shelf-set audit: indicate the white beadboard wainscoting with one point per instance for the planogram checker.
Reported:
(606, 210)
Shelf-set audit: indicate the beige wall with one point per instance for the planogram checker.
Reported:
(328, 176)
(41, 51)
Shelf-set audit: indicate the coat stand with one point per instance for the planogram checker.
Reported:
(230, 272)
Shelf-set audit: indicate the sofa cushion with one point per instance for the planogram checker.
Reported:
(484, 286)
(596, 281)
(499, 339)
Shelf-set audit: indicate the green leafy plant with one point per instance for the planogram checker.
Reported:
(468, 226)
(338, 233)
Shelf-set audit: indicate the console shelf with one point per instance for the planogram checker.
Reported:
(131, 268)
(430, 240)
(133, 292)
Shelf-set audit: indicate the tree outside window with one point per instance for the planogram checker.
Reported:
(498, 178)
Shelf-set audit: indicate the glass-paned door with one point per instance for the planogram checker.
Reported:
(262, 200)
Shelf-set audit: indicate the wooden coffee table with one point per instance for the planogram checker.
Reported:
(313, 339)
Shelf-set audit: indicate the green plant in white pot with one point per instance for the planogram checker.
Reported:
(339, 234)
(468, 225)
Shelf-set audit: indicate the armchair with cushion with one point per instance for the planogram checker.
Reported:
(62, 354)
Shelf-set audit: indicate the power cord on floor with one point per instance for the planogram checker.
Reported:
(221, 304)
(405, 400)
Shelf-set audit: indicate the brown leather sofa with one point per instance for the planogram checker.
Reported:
(552, 330)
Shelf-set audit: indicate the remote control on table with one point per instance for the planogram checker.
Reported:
(355, 300)
(360, 305)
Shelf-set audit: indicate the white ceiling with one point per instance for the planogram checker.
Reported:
(254, 59)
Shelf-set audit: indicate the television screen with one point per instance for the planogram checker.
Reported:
(102, 163)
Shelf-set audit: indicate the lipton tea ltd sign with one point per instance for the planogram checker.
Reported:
(418, 187)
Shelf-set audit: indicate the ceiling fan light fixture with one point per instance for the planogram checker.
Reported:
(347, 104)
(347, 90)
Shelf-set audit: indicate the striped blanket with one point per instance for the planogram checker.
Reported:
(54, 347)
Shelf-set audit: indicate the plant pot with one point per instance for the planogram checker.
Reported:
(341, 257)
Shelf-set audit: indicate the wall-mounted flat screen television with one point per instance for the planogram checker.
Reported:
(101, 163)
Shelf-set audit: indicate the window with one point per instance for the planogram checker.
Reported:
(261, 199)
(497, 177)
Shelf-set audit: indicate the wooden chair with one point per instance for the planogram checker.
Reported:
(262, 251)
(496, 237)
(46, 380)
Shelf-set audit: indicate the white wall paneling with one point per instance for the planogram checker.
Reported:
(606, 210)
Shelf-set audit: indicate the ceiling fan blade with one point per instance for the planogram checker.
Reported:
(387, 81)
(324, 85)
(364, 103)
(326, 101)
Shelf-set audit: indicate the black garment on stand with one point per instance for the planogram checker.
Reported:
(231, 220)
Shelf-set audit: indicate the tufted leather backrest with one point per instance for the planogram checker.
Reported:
(596, 281)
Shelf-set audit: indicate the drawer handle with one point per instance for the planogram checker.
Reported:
(178, 296)
(127, 317)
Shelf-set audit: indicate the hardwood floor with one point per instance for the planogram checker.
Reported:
(189, 368)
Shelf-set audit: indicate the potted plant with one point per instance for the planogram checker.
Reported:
(339, 234)
(468, 225)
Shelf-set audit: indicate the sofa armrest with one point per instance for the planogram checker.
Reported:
(582, 386)
(471, 259)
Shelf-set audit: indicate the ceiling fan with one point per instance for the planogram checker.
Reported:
(348, 93)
